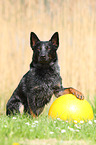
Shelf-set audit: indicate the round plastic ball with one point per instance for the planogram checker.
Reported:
(68, 107)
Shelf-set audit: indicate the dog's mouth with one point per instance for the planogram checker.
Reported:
(43, 60)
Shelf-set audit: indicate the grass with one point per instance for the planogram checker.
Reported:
(23, 128)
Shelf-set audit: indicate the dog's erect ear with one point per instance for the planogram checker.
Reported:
(55, 39)
(33, 39)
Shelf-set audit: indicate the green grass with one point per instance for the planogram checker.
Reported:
(19, 128)
(24, 129)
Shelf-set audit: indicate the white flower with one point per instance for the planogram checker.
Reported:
(14, 118)
(77, 126)
(5, 126)
(71, 129)
(90, 122)
(36, 121)
(75, 121)
(81, 121)
(51, 132)
(77, 130)
(59, 119)
(63, 131)
(67, 121)
(27, 123)
(94, 121)
(34, 125)
(54, 121)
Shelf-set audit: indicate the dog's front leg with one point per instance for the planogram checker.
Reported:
(75, 92)
(31, 106)
(70, 90)
(33, 109)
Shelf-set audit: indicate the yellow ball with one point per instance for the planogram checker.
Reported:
(68, 107)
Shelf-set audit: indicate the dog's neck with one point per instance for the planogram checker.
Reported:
(43, 66)
(41, 71)
(54, 66)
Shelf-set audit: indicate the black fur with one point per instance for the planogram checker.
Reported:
(42, 80)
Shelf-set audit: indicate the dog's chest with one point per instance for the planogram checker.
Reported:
(43, 81)
(41, 84)
(47, 78)
(44, 87)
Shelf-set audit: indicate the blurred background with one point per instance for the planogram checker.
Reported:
(75, 20)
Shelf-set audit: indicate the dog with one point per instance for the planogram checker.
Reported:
(42, 80)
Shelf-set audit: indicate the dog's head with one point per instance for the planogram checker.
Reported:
(44, 52)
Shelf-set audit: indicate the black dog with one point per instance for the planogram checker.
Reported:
(42, 80)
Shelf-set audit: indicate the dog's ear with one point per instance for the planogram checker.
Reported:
(55, 39)
(33, 39)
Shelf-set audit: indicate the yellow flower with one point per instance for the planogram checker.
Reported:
(15, 143)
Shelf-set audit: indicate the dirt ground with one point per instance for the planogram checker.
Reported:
(55, 142)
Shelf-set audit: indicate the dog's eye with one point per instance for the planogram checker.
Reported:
(38, 48)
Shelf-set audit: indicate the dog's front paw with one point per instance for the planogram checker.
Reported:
(78, 94)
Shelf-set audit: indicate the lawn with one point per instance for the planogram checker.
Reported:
(24, 130)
